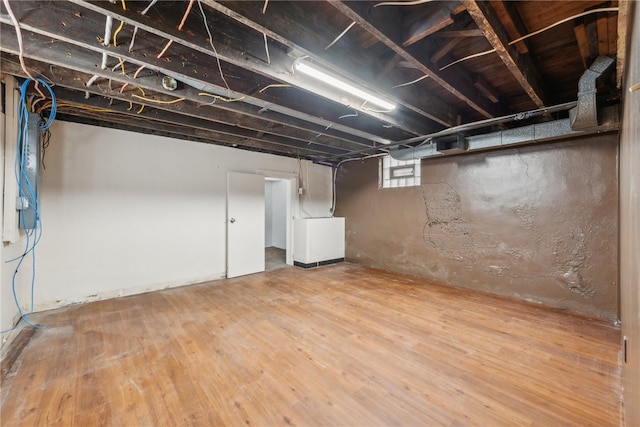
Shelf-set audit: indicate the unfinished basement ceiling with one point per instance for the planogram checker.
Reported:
(237, 85)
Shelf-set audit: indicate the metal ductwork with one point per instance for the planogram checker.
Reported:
(583, 120)
(585, 114)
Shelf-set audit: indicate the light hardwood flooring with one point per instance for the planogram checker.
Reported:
(339, 345)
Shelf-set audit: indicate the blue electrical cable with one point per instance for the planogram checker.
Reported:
(30, 194)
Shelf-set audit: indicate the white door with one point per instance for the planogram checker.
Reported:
(245, 224)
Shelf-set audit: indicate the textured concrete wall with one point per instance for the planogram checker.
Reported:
(537, 223)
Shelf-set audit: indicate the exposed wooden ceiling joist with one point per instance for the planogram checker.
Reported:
(435, 19)
(82, 31)
(310, 38)
(377, 23)
(521, 66)
(189, 114)
(253, 98)
(277, 67)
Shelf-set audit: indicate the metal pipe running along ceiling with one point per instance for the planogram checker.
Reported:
(583, 120)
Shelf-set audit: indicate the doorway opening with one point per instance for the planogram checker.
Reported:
(277, 224)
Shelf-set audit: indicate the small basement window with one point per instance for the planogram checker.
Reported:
(398, 173)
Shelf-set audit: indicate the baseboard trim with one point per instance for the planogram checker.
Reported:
(318, 263)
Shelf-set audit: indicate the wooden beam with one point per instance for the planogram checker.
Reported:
(474, 32)
(521, 66)
(444, 49)
(375, 21)
(485, 88)
(603, 34)
(583, 45)
(388, 67)
(433, 22)
(623, 18)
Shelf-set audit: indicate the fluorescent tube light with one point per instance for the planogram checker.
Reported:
(324, 77)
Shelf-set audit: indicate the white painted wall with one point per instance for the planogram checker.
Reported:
(268, 213)
(279, 214)
(125, 213)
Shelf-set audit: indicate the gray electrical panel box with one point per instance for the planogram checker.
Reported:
(30, 176)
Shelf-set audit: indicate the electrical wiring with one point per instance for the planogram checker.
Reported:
(16, 25)
(186, 15)
(466, 58)
(266, 48)
(27, 189)
(354, 114)
(169, 43)
(146, 9)
(133, 38)
(340, 35)
(222, 98)
(264, 8)
(115, 34)
(364, 107)
(335, 174)
(302, 183)
(272, 86)
(122, 65)
(534, 33)
(634, 88)
(157, 101)
(402, 3)
(135, 29)
(206, 27)
(562, 21)
(411, 82)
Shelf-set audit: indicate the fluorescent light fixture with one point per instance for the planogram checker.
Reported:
(326, 78)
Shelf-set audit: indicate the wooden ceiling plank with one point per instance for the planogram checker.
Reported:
(513, 23)
(521, 66)
(377, 24)
(279, 69)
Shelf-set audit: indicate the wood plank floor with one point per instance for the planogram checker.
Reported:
(337, 345)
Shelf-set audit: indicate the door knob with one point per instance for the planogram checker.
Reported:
(232, 220)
